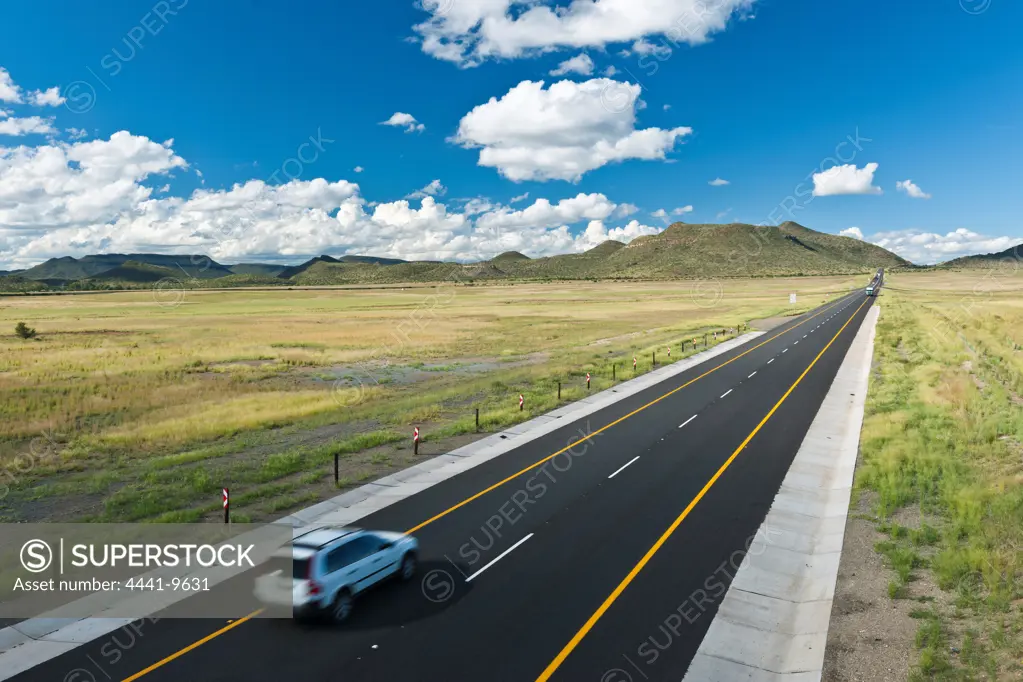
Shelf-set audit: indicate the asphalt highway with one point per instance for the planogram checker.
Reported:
(597, 552)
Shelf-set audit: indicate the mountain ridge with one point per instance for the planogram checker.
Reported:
(1010, 256)
(681, 251)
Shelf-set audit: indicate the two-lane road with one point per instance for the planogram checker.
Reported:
(597, 552)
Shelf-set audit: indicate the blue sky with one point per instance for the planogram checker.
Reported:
(929, 89)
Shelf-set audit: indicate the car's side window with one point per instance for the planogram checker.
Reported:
(337, 558)
(362, 546)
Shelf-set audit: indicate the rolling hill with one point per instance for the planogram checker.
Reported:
(257, 269)
(682, 251)
(134, 272)
(70, 269)
(1011, 257)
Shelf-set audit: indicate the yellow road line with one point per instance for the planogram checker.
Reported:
(584, 630)
(191, 646)
(605, 427)
(466, 501)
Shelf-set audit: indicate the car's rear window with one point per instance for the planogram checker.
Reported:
(296, 568)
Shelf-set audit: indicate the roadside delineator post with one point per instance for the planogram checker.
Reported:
(559, 390)
(614, 371)
(415, 440)
(227, 505)
(587, 381)
(522, 401)
(477, 420)
(633, 363)
(337, 468)
(669, 350)
(653, 358)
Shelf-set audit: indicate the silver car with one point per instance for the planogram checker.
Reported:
(322, 571)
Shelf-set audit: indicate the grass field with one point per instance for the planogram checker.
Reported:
(125, 407)
(942, 456)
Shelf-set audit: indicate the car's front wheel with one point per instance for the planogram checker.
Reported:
(408, 566)
(341, 607)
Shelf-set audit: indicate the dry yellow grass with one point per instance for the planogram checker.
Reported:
(109, 365)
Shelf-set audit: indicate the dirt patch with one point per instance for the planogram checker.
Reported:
(871, 636)
(623, 337)
(977, 381)
(382, 372)
(766, 324)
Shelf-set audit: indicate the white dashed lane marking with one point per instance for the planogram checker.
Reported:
(623, 468)
(500, 556)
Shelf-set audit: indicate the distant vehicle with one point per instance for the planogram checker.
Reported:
(322, 571)
(870, 291)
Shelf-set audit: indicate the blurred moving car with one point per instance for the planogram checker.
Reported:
(321, 571)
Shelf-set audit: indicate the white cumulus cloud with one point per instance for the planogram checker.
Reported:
(846, 179)
(854, 232)
(46, 98)
(927, 248)
(72, 199)
(468, 32)
(718, 182)
(596, 233)
(26, 126)
(542, 213)
(402, 120)
(434, 189)
(10, 92)
(562, 132)
(911, 189)
(580, 64)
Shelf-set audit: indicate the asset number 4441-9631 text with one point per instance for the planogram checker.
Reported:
(168, 584)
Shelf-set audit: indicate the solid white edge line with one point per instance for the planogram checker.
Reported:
(687, 421)
(499, 557)
(751, 376)
(727, 392)
(619, 471)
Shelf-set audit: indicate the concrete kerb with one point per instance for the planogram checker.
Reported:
(37, 640)
(773, 622)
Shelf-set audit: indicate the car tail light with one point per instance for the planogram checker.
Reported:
(313, 587)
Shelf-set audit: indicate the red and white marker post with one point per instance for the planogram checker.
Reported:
(633, 363)
(669, 351)
(415, 440)
(522, 401)
(587, 381)
(227, 505)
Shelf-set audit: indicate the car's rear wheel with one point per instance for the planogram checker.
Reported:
(341, 607)
(408, 566)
